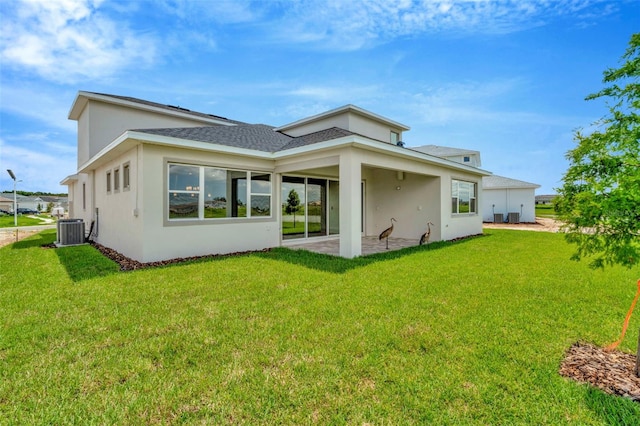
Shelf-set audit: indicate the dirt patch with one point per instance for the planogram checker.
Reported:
(542, 224)
(611, 371)
(9, 236)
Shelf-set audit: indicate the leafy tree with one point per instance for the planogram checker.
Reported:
(293, 203)
(600, 198)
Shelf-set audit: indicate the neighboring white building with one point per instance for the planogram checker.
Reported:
(459, 155)
(502, 196)
(161, 182)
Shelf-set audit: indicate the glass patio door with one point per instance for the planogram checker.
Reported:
(304, 208)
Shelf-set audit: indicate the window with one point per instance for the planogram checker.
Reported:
(108, 182)
(116, 179)
(200, 192)
(467, 159)
(126, 181)
(84, 196)
(395, 137)
(463, 197)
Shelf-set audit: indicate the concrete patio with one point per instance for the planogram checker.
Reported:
(370, 245)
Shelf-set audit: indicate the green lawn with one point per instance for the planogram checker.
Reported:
(545, 210)
(8, 221)
(471, 332)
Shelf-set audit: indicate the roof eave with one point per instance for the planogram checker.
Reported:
(340, 110)
(82, 98)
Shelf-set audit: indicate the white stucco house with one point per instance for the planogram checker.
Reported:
(505, 196)
(513, 200)
(161, 181)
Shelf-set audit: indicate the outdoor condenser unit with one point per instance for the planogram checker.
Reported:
(514, 217)
(70, 231)
(498, 218)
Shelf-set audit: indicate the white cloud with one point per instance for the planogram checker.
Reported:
(69, 40)
(38, 168)
(51, 108)
(351, 25)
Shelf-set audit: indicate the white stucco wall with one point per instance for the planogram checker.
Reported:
(100, 123)
(163, 239)
(349, 121)
(412, 205)
(119, 223)
(507, 200)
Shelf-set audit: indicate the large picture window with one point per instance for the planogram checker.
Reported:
(463, 197)
(201, 192)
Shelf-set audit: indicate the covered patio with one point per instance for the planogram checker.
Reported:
(370, 245)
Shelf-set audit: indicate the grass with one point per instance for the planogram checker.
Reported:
(545, 210)
(471, 332)
(8, 221)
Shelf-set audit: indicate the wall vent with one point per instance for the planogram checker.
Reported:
(514, 217)
(70, 232)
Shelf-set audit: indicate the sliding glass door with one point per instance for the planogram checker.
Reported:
(304, 208)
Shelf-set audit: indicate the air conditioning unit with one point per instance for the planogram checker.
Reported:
(70, 232)
(498, 218)
(514, 217)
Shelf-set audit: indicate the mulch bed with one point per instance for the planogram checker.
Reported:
(611, 371)
(128, 264)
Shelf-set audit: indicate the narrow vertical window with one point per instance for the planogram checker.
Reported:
(125, 177)
(116, 179)
(84, 196)
(108, 182)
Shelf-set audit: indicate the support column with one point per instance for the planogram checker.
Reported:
(350, 205)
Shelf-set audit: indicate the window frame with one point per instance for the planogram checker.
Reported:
(247, 193)
(472, 192)
(109, 187)
(116, 179)
(126, 176)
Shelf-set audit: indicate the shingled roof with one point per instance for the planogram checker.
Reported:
(172, 108)
(259, 137)
(501, 182)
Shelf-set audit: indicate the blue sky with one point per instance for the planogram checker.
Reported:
(506, 78)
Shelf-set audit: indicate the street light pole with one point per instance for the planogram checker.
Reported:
(15, 199)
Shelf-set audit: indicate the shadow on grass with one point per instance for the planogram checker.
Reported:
(85, 262)
(37, 240)
(339, 265)
(81, 262)
(613, 410)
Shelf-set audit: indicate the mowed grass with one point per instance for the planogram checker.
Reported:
(471, 332)
(9, 221)
(545, 210)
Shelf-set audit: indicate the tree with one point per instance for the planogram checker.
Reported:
(293, 203)
(599, 201)
(600, 198)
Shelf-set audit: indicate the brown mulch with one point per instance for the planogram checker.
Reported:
(128, 264)
(611, 371)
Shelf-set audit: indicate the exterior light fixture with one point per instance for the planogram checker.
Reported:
(15, 199)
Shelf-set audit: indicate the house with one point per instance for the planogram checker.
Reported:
(545, 199)
(160, 181)
(460, 155)
(6, 203)
(24, 201)
(501, 195)
(504, 196)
